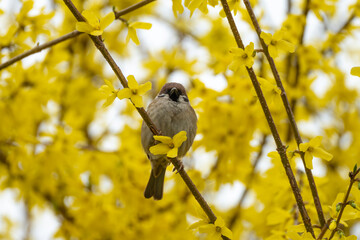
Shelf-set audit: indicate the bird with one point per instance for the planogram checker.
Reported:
(171, 113)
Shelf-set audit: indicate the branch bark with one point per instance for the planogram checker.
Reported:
(280, 147)
(289, 112)
(177, 164)
(65, 37)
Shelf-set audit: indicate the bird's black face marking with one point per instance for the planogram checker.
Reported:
(174, 94)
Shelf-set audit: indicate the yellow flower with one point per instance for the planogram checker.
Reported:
(216, 230)
(93, 25)
(312, 149)
(276, 43)
(177, 7)
(134, 91)
(271, 91)
(332, 225)
(355, 71)
(168, 145)
(132, 31)
(109, 91)
(242, 57)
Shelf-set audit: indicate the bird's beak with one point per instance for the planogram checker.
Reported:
(174, 94)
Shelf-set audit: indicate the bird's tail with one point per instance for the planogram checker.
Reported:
(155, 185)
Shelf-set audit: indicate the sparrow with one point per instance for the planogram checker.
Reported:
(171, 113)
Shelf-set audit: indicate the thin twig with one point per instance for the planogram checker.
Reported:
(289, 112)
(280, 147)
(324, 229)
(65, 37)
(132, 8)
(39, 48)
(100, 45)
(352, 176)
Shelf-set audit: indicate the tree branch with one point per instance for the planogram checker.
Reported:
(132, 8)
(100, 45)
(289, 112)
(65, 37)
(352, 176)
(280, 147)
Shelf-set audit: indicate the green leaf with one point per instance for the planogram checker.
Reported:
(355, 168)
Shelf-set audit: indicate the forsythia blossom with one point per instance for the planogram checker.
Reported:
(177, 7)
(132, 31)
(312, 149)
(93, 25)
(276, 43)
(134, 91)
(168, 145)
(355, 71)
(271, 91)
(242, 57)
(109, 91)
(214, 230)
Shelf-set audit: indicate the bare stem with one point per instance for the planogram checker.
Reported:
(39, 48)
(289, 112)
(132, 8)
(352, 176)
(65, 37)
(280, 147)
(100, 45)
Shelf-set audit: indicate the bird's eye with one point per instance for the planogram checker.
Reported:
(161, 95)
(185, 99)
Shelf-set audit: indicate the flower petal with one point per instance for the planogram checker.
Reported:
(83, 27)
(137, 100)
(226, 232)
(219, 222)
(96, 32)
(286, 46)
(249, 49)
(304, 147)
(273, 51)
(163, 139)
(159, 149)
(124, 93)
(106, 90)
(321, 153)
(316, 141)
(266, 37)
(308, 160)
(107, 20)
(179, 138)
(109, 83)
(132, 35)
(172, 153)
(132, 82)
(198, 224)
(355, 71)
(141, 25)
(109, 100)
(91, 17)
(143, 88)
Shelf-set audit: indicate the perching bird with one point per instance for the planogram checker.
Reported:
(171, 113)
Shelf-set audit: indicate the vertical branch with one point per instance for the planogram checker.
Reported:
(101, 47)
(352, 176)
(289, 113)
(280, 147)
